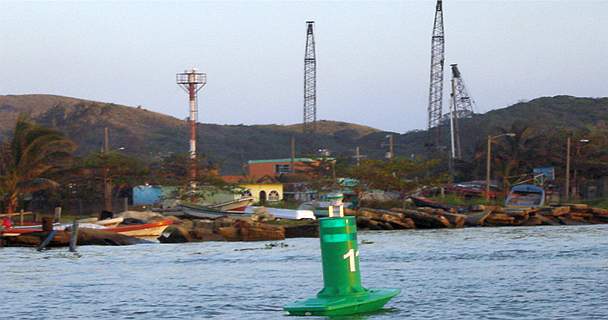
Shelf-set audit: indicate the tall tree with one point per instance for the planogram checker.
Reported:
(28, 160)
(399, 174)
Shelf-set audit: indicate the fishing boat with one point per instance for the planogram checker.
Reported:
(237, 205)
(420, 201)
(113, 222)
(525, 196)
(144, 230)
(91, 223)
(195, 211)
(321, 207)
(285, 213)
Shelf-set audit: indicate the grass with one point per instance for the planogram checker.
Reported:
(453, 200)
(597, 203)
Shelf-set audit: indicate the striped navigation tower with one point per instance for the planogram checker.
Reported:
(192, 82)
(435, 110)
(310, 81)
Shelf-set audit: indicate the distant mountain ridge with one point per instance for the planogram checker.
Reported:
(151, 135)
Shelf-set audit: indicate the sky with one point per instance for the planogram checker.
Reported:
(373, 58)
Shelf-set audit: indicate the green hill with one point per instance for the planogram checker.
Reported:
(150, 135)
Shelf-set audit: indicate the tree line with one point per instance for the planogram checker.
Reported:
(39, 159)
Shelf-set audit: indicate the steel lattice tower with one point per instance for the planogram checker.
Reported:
(436, 84)
(461, 107)
(310, 81)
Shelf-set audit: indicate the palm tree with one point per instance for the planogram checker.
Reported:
(517, 154)
(27, 161)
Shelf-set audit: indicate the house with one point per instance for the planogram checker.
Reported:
(276, 167)
(263, 192)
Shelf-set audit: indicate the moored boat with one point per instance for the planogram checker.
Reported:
(196, 211)
(145, 230)
(525, 196)
(285, 213)
(238, 205)
(420, 201)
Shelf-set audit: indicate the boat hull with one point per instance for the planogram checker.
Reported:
(146, 230)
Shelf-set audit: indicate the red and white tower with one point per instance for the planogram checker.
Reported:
(192, 82)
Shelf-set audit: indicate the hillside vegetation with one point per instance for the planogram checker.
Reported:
(151, 135)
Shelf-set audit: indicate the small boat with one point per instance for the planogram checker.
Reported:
(91, 223)
(146, 230)
(196, 211)
(426, 202)
(114, 222)
(285, 213)
(525, 196)
(321, 207)
(238, 205)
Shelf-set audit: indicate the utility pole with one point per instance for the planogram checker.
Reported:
(488, 163)
(192, 82)
(435, 110)
(453, 125)
(391, 147)
(310, 81)
(567, 191)
(293, 154)
(107, 183)
(358, 156)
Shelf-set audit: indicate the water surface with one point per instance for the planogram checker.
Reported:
(476, 273)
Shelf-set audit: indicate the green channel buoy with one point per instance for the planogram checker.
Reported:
(342, 293)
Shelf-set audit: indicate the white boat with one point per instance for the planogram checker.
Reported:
(525, 196)
(110, 223)
(285, 213)
(233, 205)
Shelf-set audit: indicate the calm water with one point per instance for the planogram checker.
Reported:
(484, 273)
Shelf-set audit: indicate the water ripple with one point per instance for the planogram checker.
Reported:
(480, 273)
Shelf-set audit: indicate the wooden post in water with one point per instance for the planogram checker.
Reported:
(74, 236)
(47, 226)
(57, 213)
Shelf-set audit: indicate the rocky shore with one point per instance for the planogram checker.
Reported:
(254, 228)
(478, 216)
(264, 227)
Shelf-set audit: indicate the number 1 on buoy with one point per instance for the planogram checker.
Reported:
(350, 255)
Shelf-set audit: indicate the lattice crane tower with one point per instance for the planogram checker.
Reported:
(461, 107)
(436, 84)
(310, 81)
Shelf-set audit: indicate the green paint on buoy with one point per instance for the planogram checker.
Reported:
(342, 293)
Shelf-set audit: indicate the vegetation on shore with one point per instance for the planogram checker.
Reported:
(41, 153)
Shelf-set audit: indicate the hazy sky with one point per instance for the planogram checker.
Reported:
(373, 57)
